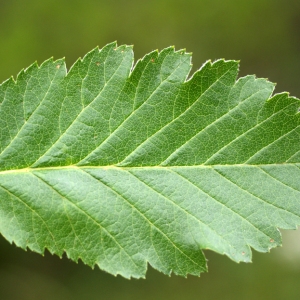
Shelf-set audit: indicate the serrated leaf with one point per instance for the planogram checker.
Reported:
(121, 166)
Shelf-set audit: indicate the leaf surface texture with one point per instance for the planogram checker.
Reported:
(121, 165)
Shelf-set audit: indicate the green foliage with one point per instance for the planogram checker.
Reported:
(121, 166)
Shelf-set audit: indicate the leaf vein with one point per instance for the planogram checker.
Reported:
(31, 115)
(270, 144)
(143, 215)
(224, 205)
(78, 116)
(127, 118)
(244, 134)
(176, 118)
(91, 218)
(183, 209)
(257, 197)
(206, 127)
(32, 210)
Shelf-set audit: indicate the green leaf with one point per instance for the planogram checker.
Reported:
(121, 166)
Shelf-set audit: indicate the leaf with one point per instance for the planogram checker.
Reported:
(121, 166)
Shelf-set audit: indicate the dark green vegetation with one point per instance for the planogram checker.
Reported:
(120, 166)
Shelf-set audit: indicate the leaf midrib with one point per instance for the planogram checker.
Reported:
(114, 167)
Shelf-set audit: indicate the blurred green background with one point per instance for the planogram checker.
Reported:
(263, 34)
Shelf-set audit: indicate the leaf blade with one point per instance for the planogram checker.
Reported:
(121, 166)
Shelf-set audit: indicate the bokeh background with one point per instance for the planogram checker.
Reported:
(263, 34)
